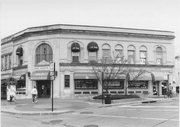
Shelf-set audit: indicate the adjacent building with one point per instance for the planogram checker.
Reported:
(26, 57)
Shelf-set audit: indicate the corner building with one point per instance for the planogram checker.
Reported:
(26, 56)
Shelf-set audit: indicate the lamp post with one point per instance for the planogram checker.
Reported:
(52, 77)
(102, 85)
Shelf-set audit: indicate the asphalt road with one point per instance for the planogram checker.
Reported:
(160, 114)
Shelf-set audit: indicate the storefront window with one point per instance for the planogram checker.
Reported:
(83, 84)
(116, 84)
(138, 84)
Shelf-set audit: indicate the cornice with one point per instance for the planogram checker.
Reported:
(89, 30)
(125, 65)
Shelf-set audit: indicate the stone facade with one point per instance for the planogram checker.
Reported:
(61, 37)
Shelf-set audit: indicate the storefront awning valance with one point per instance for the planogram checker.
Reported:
(114, 76)
(19, 51)
(75, 47)
(92, 47)
(143, 77)
(85, 76)
(40, 75)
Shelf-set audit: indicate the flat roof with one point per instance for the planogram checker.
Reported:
(88, 28)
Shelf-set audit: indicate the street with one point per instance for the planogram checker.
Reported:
(159, 114)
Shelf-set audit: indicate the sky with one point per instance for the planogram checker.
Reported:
(17, 15)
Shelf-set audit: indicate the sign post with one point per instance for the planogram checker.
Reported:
(52, 77)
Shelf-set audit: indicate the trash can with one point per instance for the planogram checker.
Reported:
(107, 99)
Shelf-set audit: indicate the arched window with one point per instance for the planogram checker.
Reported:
(131, 54)
(159, 55)
(19, 53)
(143, 55)
(44, 53)
(119, 51)
(75, 49)
(92, 48)
(106, 50)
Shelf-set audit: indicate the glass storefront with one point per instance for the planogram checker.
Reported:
(138, 84)
(116, 84)
(86, 84)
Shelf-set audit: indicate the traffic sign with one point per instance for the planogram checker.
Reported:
(51, 66)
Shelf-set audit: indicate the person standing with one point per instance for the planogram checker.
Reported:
(34, 94)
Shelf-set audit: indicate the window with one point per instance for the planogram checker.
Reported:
(66, 81)
(2, 63)
(119, 53)
(19, 53)
(83, 84)
(44, 53)
(6, 62)
(143, 55)
(93, 49)
(159, 55)
(75, 49)
(131, 55)
(106, 52)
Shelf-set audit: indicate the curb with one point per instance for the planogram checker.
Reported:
(37, 113)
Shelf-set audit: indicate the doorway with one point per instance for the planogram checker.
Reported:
(156, 88)
(43, 88)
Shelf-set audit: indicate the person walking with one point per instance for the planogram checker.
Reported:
(34, 95)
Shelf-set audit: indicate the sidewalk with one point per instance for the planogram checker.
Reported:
(44, 106)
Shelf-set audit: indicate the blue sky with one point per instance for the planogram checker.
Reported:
(16, 15)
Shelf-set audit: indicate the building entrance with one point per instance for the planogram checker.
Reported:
(43, 88)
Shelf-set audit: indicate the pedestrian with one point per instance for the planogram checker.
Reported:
(34, 95)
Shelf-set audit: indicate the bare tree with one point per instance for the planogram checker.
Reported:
(107, 69)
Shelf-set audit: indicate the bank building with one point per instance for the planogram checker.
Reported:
(26, 57)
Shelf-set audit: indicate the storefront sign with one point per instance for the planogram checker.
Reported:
(40, 75)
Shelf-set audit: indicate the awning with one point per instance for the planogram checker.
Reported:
(144, 77)
(115, 76)
(92, 47)
(40, 75)
(19, 51)
(75, 47)
(85, 76)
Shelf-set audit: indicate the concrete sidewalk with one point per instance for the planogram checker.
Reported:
(44, 106)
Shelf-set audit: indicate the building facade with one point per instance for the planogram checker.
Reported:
(26, 56)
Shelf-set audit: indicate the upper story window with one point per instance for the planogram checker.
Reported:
(19, 54)
(6, 62)
(106, 52)
(159, 55)
(92, 51)
(44, 53)
(143, 55)
(75, 49)
(131, 54)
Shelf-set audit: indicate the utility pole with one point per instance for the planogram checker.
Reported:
(102, 85)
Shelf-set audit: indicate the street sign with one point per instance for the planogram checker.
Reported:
(51, 66)
(51, 73)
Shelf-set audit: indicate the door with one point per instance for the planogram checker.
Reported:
(44, 88)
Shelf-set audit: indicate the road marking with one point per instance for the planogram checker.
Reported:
(129, 106)
(127, 117)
